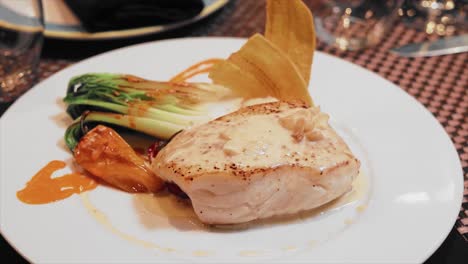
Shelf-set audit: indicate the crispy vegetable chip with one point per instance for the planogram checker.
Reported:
(278, 64)
(230, 75)
(260, 67)
(290, 26)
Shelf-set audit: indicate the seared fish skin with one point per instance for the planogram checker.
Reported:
(263, 160)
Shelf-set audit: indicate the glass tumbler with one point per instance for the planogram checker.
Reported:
(21, 36)
(354, 24)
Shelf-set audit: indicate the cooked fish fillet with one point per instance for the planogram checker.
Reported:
(264, 160)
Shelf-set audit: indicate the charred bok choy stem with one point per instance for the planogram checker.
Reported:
(159, 109)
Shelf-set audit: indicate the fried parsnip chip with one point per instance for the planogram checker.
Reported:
(260, 67)
(242, 82)
(278, 64)
(290, 26)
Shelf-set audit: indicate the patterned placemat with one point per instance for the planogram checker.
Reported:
(439, 83)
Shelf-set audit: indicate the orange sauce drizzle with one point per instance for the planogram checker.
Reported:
(42, 189)
(199, 68)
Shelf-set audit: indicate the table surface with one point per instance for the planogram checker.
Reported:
(439, 83)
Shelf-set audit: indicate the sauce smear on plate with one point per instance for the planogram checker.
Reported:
(42, 188)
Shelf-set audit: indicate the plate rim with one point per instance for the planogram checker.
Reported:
(442, 236)
(133, 32)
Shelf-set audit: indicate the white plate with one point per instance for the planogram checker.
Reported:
(413, 169)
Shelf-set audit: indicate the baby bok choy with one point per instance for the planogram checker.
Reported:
(159, 109)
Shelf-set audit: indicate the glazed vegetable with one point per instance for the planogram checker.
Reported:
(159, 109)
(107, 156)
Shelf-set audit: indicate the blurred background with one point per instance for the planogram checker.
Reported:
(352, 25)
